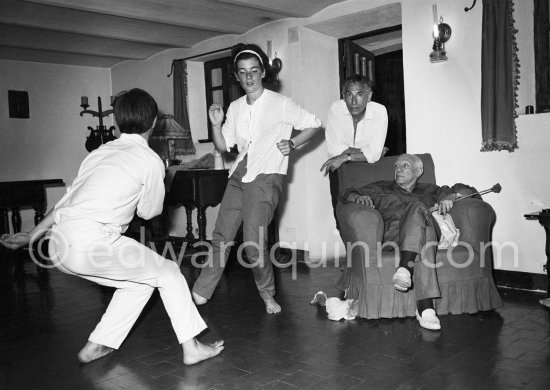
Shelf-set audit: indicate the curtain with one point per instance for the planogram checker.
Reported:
(499, 77)
(181, 113)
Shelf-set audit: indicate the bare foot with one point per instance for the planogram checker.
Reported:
(194, 351)
(271, 306)
(93, 351)
(198, 299)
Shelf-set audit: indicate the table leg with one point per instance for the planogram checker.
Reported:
(4, 229)
(16, 219)
(201, 221)
(4, 223)
(190, 237)
(38, 214)
(547, 249)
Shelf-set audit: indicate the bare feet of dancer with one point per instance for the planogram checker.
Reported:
(194, 351)
(198, 299)
(271, 306)
(93, 351)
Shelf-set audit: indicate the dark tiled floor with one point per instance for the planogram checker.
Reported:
(45, 320)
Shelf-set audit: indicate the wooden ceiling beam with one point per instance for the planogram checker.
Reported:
(210, 15)
(64, 58)
(30, 38)
(102, 33)
(47, 17)
(291, 8)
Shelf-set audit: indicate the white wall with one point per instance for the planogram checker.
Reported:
(443, 104)
(308, 188)
(442, 113)
(50, 144)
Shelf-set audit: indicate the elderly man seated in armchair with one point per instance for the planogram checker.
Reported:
(405, 207)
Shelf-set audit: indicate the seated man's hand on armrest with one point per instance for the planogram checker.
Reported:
(355, 197)
(446, 204)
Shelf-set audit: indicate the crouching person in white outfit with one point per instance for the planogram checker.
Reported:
(115, 181)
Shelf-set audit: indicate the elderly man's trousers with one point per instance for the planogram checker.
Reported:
(417, 232)
(414, 231)
(252, 204)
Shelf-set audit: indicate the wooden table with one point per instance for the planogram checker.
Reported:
(544, 219)
(200, 189)
(15, 195)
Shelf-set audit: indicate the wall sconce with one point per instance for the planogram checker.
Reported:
(276, 63)
(441, 34)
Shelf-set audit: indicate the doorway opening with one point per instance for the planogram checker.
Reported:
(378, 55)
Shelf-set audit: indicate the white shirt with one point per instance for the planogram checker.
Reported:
(370, 135)
(112, 182)
(257, 128)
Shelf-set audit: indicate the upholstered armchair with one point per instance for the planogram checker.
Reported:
(464, 272)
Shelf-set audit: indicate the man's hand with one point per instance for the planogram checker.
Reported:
(364, 200)
(285, 146)
(15, 241)
(351, 150)
(215, 113)
(334, 163)
(446, 204)
(360, 199)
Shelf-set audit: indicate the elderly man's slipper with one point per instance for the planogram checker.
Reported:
(402, 279)
(428, 319)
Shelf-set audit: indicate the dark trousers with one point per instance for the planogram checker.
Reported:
(418, 232)
(363, 224)
(334, 193)
(252, 204)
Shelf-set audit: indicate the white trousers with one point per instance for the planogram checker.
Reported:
(89, 250)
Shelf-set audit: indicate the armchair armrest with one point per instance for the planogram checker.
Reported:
(474, 218)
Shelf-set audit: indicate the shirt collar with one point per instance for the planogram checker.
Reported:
(369, 111)
(258, 101)
(133, 138)
(361, 117)
(398, 187)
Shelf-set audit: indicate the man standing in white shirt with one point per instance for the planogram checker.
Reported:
(355, 131)
(260, 123)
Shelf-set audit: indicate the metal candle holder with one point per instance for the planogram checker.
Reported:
(101, 134)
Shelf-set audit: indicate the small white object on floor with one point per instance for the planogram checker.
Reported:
(545, 302)
(337, 309)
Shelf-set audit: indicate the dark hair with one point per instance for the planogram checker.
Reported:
(357, 79)
(237, 54)
(135, 111)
